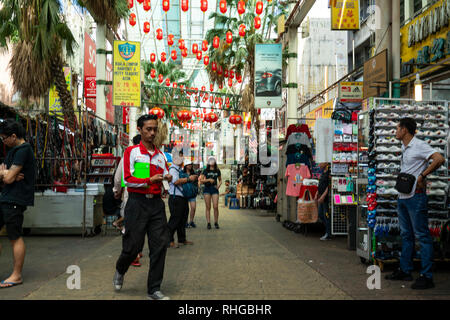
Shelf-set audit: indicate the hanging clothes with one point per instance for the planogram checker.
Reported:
(299, 137)
(295, 174)
(298, 157)
(298, 128)
(324, 133)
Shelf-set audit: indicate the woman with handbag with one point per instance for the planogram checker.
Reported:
(323, 199)
(189, 170)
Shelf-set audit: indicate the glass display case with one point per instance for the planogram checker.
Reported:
(363, 232)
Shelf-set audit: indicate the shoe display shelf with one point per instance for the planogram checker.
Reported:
(433, 127)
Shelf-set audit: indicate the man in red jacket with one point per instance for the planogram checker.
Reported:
(145, 210)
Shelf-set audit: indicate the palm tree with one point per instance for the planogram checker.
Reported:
(240, 54)
(38, 32)
(157, 94)
(108, 12)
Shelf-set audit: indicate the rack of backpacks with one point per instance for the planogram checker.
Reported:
(384, 156)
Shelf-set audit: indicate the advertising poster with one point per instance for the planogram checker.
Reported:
(90, 72)
(345, 15)
(351, 91)
(54, 102)
(268, 75)
(126, 74)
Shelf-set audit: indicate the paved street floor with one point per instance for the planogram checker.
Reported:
(251, 256)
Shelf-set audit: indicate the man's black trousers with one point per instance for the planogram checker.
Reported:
(179, 212)
(145, 216)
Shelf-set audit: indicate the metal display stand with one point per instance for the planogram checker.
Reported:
(363, 232)
(432, 120)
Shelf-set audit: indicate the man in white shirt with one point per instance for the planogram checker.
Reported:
(413, 207)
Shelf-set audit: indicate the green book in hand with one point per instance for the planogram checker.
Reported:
(141, 171)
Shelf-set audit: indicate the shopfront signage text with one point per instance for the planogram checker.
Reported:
(351, 91)
(126, 74)
(345, 15)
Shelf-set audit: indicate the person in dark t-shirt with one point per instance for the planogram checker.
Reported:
(323, 199)
(17, 174)
(212, 179)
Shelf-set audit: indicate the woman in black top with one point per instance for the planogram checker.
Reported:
(212, 179)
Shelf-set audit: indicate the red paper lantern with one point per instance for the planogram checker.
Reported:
(132, 19)
(211, 87)
(225, 73)
(146, 27)
(174, 85)
(170, 40)
(216, 42)
(229, 37)
(211, 99)
(235, 119)
(181, 44)
(130, 4)
(167, 82)
(152, 57)
(174, 55)
(147, 5)
(206, 60)
(238, 78)
(166, 5)
(194, 144)
(185, 5)
(204, 5)
(259, 7)
(194, 48)
(231, 74)
(241, 7)
(211, 117)
(159, 34)
(219, 70)
(230, 82)
(160, 78)
(157, 112)
(257, 22)
(163, 56)
(199, 55)
(220, 86)
(214, 66)
(184, 52)
(140, 1)
(223, 6)
(184, 115)
(205, 45)
(242, 30)
(153, 73)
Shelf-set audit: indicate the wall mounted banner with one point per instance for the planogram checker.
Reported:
(268, 75)
(54, 101)
(344, 14)
(126, 74)
(90, 72)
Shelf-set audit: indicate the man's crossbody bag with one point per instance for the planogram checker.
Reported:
(405, 181)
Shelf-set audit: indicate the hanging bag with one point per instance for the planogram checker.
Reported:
(307, 209)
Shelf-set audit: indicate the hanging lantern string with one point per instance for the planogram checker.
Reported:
(183, 106)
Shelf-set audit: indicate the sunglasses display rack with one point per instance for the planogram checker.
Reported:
(379, 166)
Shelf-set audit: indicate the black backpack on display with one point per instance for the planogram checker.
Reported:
(342, 115)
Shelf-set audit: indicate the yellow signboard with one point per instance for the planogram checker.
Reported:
(54, 101)
(126, 74)
(425, 40)
(344, 14)
(322, 112)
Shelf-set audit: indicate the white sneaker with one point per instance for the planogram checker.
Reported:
(393, 115)
(391, 191)
(436, 192)
(381, 157)
(438, 184)
(438, 142)
(394, 149)
(382, 115)
(429, 117)
(382, 149)
(382, 166)
(430, 125)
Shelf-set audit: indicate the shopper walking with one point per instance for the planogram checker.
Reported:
(178, 202)
(323, 199)
(17, 174)
(413, 207)
(122, 193)
(189, 170)
(212, 179)
(144, 169)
